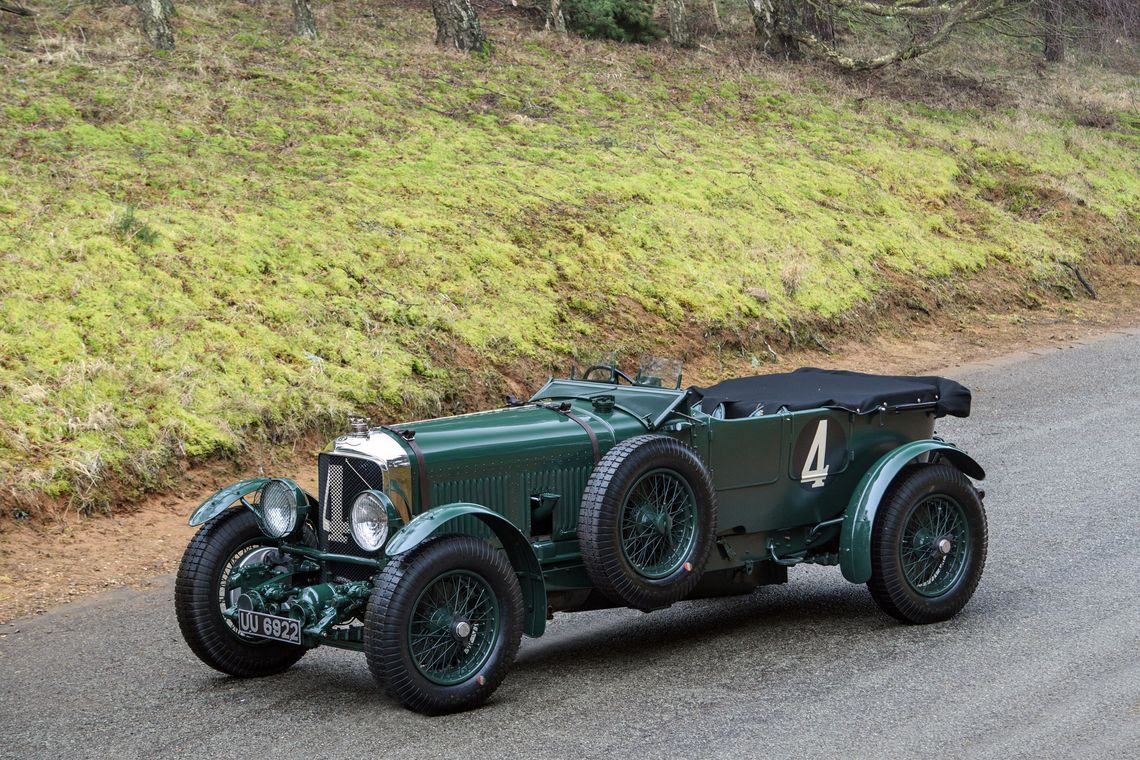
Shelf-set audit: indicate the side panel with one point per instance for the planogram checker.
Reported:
(798, 469)
(746, 458)
(855, 536)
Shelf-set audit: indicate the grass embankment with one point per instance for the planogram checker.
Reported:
(251, 237)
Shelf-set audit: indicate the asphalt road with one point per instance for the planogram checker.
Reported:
(1044, 662)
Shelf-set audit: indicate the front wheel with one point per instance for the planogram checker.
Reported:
(928, 545)
(444, 624)
(203, 590)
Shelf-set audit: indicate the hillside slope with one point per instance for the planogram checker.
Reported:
(249, 238)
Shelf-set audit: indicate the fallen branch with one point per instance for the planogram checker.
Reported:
(19, 10)
(1081, 278)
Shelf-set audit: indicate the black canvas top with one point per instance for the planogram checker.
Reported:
(811, 388)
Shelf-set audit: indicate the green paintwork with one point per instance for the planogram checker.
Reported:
(649, 405)
(855, 535)
(447, 518)
(515, 476)
(500, 459)
(216, 504)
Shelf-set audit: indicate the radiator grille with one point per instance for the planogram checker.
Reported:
(341, 480)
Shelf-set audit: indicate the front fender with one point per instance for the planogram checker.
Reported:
(216, 504)
(516, 545)
(855, 537)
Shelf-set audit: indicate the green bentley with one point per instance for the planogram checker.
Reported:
(434, 546)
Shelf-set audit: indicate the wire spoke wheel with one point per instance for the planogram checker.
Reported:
(228, 556)
(443, 624)
(453, 627)
(647, 522)
(658, 523)
(928, 545)
(935, 546)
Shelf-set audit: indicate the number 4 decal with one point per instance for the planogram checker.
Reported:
(815, 468)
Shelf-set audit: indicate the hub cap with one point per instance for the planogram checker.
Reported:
(658, 524)
(935, 545)
(453, 627)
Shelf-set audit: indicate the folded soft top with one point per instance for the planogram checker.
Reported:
(811, 388)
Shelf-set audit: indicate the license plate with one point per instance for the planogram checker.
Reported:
(269, 626)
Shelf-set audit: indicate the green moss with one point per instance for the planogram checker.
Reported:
(255, 251)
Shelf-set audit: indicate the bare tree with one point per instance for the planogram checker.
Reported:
(304, 25)
(456, 25)
(938, 19)
(771, 19)
(819, 18)
(1053, 29)
(156, 16)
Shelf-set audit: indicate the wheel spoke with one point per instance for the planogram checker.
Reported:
(657, 523)
(928, 571)
(438, 653)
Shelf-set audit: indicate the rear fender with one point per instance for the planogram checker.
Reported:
(518, 549)
(855, 536)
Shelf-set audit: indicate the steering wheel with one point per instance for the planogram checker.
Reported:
(615, 373)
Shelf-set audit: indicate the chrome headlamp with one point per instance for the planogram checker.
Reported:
(278, 509)
(370, 520)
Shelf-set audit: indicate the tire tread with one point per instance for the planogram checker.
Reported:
(195, 602)
(887, 585)
(600, 510)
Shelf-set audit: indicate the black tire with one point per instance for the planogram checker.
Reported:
(197, 600)
(931, 583)
(395, 624)
(604, 522)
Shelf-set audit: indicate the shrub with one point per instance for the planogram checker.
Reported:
(621, 20)
(128, 227)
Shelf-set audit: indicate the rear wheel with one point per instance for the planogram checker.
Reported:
(444, 624)
(203, 590)
(928, 545)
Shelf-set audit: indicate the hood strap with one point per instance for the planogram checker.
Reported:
(564, 410)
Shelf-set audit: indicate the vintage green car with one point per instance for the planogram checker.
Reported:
(434, 546)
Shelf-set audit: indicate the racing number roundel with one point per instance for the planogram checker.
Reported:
(820, 452)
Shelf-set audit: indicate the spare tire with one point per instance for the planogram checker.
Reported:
(647, 522)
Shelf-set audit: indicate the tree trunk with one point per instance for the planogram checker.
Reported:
(818, 20)
(680, 30)
(304, 25)
(768, 16)
(156, 22)
(457, 25)
(1054, 34)
(555, 21)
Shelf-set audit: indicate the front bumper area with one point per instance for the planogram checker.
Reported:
(330, 613)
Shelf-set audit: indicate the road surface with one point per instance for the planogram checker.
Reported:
(1043, 663)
